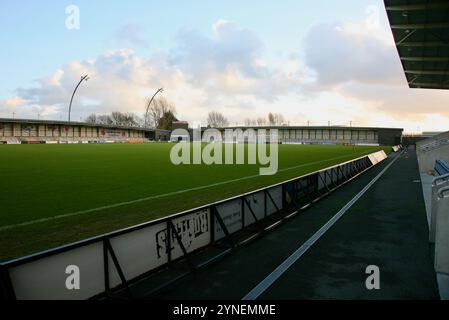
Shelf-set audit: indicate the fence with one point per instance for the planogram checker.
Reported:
(115, 260)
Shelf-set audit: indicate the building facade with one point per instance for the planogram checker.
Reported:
(18, 131)
(334, 135)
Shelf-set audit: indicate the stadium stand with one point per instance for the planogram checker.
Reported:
(332, 135)
(432, 149)
(22, 131)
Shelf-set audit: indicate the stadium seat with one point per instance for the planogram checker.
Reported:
(441, 167)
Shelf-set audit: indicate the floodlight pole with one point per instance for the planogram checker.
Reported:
(83, 78)
(149, 104)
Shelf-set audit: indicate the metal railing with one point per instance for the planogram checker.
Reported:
(115, 260)
(442, 231)
(437, 183)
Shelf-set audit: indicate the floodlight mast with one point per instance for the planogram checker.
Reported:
(149, 104)
(83, 78)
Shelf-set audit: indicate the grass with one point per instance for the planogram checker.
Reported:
(45, 181)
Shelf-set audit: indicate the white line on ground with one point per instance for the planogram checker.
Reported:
(284, 266)
(120, 204)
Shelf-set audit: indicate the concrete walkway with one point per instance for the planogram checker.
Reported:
(387, 228)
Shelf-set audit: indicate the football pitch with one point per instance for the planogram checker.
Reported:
(56, 194)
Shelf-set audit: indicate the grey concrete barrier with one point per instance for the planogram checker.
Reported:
(437, 183)
(442, 231)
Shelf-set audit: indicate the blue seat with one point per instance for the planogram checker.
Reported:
(441, 167)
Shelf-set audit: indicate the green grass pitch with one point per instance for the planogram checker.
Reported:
(93, 189)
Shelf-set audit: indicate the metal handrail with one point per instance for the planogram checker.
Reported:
(443, 193)
(437, 179)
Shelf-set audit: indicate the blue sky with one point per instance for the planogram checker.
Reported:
(38, 42)
(244, 58)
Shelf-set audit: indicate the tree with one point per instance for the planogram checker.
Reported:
(276, 119)
(217, 120)
(115, 118)
(158, 108)
(271, 119)
(104, 119)
(91, 118)
(166, 121)
(250, 122)
(125, 119)
(261, 122)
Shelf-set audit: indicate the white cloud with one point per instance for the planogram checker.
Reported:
(232, 63)
(226, 71)
(131, 34)
(359, 62)
(14, 102)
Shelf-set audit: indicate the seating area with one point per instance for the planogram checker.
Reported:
(433, 158)
(441, 167)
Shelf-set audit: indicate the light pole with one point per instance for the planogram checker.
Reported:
(83, 78)
(149, 104)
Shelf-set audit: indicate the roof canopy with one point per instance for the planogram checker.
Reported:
(421, 32)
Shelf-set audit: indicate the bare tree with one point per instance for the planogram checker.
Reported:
(217, 120)
(159, 108)
(104, 119)
(261, 122)
(115, 118)
(271, 119)
(92, 118)
(166, 121)
(280, 120)
(276, 119)
(125, 119)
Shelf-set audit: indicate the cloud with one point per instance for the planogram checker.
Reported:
(131, 34)
(119, 80)
(226, 70)
(14, 102)
(340, 53)
(359, 61)
(232, 63)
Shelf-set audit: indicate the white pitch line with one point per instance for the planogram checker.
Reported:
(120, 204)
(284, 266)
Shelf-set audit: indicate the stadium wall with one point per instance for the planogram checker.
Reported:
(18, 131)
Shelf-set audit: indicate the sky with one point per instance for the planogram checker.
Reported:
(314, 61)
